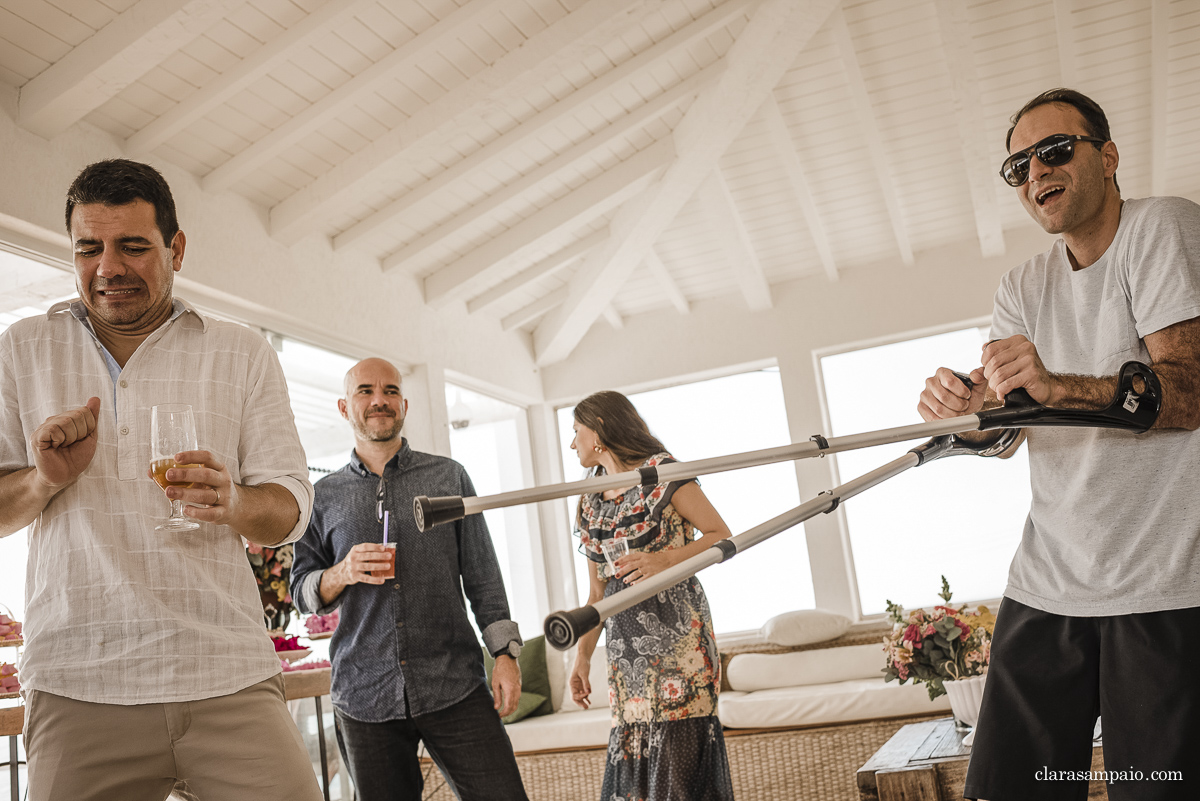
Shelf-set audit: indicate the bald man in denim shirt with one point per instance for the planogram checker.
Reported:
(407, 666)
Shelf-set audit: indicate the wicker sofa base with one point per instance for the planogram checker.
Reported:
(796, 764)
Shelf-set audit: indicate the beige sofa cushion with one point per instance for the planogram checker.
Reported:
(750, 672)
(561, 730)
(840, 702)
(804, 627)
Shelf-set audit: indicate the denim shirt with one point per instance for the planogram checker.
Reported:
(409, 636)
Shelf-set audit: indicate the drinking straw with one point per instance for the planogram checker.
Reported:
(385, 527)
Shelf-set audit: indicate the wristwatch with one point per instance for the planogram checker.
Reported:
(513, 649)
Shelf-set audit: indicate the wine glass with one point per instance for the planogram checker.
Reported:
(172, 431)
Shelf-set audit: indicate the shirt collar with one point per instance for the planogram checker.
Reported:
(401, 455)
(179, 306)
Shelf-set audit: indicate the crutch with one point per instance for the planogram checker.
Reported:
(1131, 410)
(1135, 407)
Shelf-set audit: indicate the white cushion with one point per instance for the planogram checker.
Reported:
(597, 676)
(840, 702)
(561, 730)
(750, 672)
(556, 673)
(805, 626)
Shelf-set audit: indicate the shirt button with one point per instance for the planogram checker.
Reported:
(124, 429)
(397, 586)
(403, 662)
(123, 383)
(400, 625)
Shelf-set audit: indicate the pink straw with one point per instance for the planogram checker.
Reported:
(385, 527)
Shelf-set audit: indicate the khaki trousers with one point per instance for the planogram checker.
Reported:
(239, 747)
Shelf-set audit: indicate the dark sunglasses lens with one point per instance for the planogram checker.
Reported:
(1016, 169)
(1056, 152)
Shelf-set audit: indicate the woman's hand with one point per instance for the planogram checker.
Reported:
(581, 688)
(639, 565)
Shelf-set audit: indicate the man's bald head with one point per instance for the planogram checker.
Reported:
(374, 403)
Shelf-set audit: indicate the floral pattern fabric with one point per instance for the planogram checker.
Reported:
(666, 743)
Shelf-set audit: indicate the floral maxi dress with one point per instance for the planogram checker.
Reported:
(666, 743)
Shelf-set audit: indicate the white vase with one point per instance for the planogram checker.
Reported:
(965, 697)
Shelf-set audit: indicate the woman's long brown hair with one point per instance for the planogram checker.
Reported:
(620, 428)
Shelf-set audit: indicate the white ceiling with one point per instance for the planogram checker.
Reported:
(553, 162)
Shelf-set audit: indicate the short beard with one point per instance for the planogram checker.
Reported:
(365, 433)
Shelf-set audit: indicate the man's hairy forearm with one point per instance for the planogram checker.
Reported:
(22, 499)
(1180, 389)
(266, 514)
(333, 582)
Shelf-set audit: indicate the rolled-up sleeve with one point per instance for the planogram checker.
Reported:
(270, 451)
(313, 556)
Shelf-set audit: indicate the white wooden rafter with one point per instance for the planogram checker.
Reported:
(546, 266)
(613, 317)
(523, 133)
(868, 124)
(1160, 28)
(785, 150)
(654, 264)
(250, 69)
(724, 217)
(531, 311)
(125, 49)
(1064, 31)
(968, 114)
(762, 52)
(587, 148)
(407, 56)
(466, 276)
(423, 134)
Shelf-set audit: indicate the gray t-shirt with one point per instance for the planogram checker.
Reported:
(1114, 527)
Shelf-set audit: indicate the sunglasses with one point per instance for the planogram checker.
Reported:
(1052, 151)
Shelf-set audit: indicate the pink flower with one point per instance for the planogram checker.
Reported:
(252, 548)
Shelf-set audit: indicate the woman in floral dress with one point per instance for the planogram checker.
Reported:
(666, 743)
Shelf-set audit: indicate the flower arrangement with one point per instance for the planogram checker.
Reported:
(939, 646)
(286, 643)
(322, 624)
(272, 568)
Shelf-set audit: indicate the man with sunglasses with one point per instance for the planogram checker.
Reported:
(1103, 599)
(407, 667)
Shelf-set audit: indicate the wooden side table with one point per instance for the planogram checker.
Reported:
(927, 762)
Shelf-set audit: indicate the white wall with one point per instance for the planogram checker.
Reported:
(945, 286)
(302, 289)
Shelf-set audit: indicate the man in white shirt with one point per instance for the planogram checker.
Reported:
(146, 661)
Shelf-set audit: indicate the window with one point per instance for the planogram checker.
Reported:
(959, 517)
(718, 417)
(315, 382)
(490, 438)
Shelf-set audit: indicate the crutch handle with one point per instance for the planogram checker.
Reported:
(430, 512)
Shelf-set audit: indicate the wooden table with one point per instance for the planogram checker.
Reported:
(296, 684)
(928, 762)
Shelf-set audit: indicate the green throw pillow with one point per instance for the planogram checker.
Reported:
(535, 682)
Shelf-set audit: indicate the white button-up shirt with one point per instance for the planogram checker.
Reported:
(117, 612)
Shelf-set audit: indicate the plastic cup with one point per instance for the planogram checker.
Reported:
(613, 550)
(390, 555)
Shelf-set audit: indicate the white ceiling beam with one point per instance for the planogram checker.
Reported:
(529, 313)
(721, 211)
(115, 56)
(1064, 30)
(602, 139)
(763, 51)
(250, 69)
(869, 125)
(466, 276)
(793, 170)
(425, 133)
(543, 267)
(972, 132)
(613, 317)
(408, 56)
(535, 125)
(1160, 28)
(661, 274)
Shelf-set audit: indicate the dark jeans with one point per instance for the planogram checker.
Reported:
(467, 742)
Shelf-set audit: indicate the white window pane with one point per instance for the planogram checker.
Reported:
(719, 417)
(489, 437)
(959, 517)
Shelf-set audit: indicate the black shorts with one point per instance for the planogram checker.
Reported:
(1052, 675)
